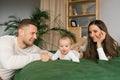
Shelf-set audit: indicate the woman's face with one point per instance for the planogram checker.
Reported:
(94, 32)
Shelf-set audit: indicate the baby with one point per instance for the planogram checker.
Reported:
(64, 52)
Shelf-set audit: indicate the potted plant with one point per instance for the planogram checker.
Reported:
(39, 17)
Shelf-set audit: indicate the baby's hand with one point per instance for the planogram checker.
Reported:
(81, 54)
(75, 47)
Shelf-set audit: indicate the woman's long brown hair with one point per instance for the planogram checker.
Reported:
(110, 46)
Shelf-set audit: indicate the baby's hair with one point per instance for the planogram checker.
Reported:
(67, 37)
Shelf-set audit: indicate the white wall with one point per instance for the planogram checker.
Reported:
(109, 12)
(20, 8)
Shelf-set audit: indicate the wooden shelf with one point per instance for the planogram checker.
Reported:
(84, 26)
(80, 2)
(76, 31)
(78, 27)
(81, 11)
(82, 15)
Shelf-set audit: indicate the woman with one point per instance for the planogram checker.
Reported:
(101, 46)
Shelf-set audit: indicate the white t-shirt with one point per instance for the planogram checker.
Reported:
(12, 57)
(71, 55)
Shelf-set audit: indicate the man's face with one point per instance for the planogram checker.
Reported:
(29, 34)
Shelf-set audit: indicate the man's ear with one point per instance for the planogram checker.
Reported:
(20, 32)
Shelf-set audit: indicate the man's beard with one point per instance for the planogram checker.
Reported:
(27, 45)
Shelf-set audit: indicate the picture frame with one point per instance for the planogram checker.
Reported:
(73, 23)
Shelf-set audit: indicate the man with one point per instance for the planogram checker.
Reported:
(17, 52)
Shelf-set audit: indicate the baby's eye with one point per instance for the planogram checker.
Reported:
(66, 46)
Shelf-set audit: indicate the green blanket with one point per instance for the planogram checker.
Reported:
(68, 70)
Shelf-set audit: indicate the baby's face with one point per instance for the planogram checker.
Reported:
(64, 46)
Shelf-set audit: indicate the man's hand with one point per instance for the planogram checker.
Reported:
(45, 57)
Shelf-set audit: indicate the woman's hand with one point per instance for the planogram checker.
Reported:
(102, 37)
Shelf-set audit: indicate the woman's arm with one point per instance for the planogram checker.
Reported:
(100, 50)
(101, 54)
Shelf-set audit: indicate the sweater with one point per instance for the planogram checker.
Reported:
(12, 57)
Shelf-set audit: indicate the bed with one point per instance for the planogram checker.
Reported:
(68, 70)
